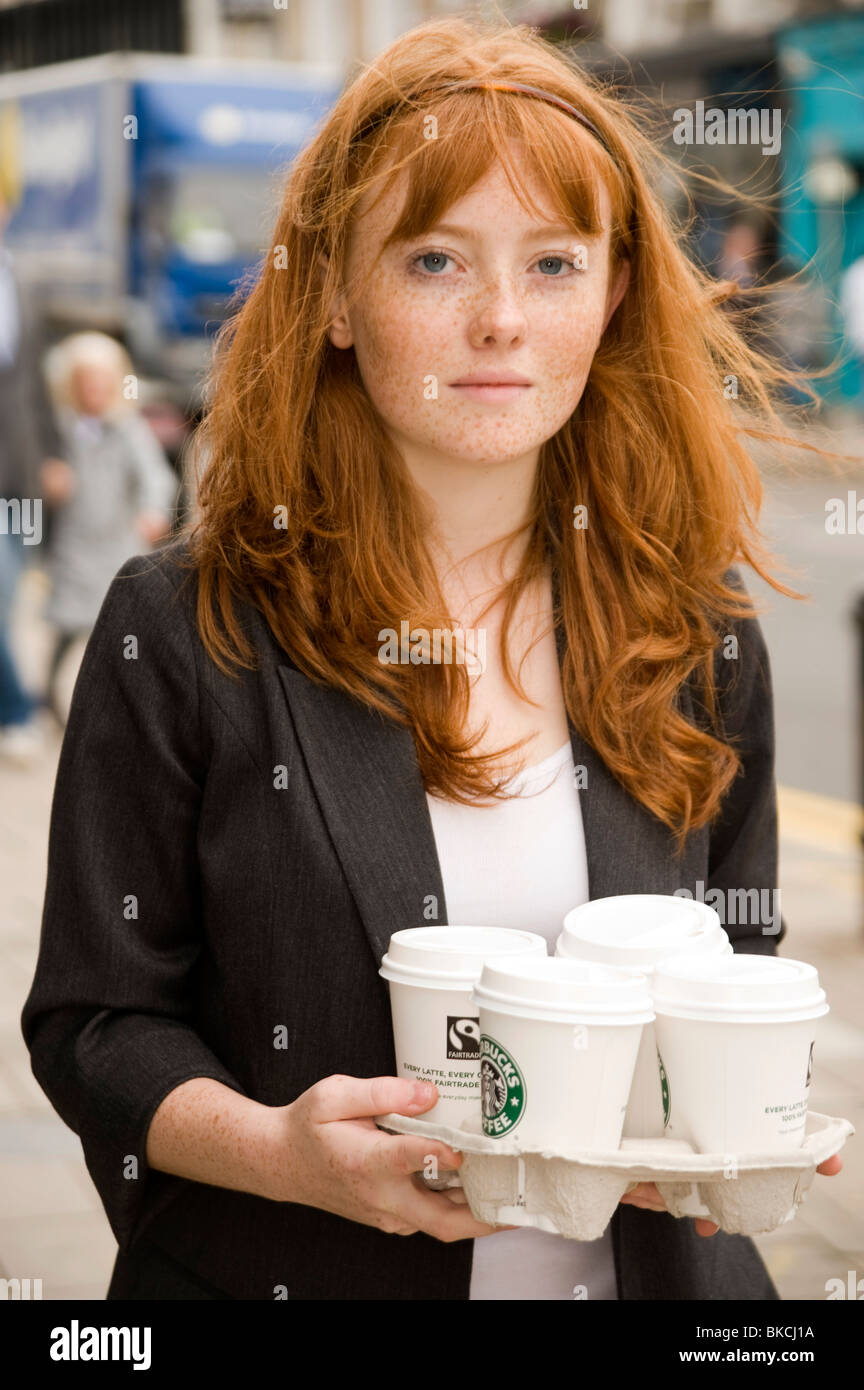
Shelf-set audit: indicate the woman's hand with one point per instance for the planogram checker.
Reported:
(329, 1153)
(646, 1195)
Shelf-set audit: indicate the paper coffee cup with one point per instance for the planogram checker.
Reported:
(736, 1037)
(558, 1044)
(639, 931)
(436, 1029)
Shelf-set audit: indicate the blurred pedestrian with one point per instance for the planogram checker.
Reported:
(27, 436)
(114, 494)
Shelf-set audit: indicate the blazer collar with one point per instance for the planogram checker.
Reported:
(364, 770)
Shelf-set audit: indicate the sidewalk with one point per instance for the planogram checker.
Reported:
(822, 893)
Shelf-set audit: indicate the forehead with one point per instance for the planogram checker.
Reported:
(491, 205)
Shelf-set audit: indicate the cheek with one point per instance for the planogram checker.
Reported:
(567, 342)
(397, 342)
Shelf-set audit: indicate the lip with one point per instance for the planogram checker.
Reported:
(492, 378)
(493, 387)
(492, 394)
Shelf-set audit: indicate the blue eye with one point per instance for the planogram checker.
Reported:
(556, 261)
(439, 256)
(430, 264)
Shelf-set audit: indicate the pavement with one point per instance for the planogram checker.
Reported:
(52, 1226)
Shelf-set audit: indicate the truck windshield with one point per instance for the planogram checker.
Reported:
(210, 215)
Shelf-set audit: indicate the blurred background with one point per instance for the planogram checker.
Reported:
(142, 150)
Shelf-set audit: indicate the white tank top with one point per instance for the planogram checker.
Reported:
(522, 863)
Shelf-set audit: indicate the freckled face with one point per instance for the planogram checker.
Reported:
(490, 291)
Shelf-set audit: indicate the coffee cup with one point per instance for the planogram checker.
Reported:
(436, 1031)
(558, 1044)
(736, 1038)
(638, 931)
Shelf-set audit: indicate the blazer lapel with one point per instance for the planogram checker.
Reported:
(364, 771)
(365, 774)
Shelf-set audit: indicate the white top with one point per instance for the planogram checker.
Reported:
(522, 863)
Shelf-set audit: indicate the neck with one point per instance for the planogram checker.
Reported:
(474, 508)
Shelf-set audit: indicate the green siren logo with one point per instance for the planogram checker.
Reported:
(664, 1090)
(502, 1089)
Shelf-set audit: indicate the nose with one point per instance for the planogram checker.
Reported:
(499, 316)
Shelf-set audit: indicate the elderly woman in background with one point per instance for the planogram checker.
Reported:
(114, 495)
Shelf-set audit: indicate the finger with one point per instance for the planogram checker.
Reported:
(350, 1097)
(403, 1154)
(831, 1166)
(645, 1206)
(647, 1190)
(647, 1195)
(434, 1213)
(705, 1228)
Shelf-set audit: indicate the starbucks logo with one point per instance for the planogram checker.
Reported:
(664, 1090)
(502, 1089)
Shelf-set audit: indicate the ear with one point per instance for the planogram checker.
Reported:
(340, 325)
(617, 289)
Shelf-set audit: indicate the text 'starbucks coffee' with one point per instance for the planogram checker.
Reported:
(436, 1028)
(558, 1044)
(736, 1037)
(639, 931)
(502, 1088)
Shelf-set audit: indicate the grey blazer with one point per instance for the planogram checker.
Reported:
(228, 856)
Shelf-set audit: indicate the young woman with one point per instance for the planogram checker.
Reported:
(477, 386)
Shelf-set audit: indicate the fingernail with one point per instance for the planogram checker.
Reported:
(422, 1093)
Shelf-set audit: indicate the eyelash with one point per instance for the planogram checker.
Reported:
(437, 251)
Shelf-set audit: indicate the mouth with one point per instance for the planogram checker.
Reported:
(504, 386)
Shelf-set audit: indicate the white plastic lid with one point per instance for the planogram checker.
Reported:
(740, 988)
(641, 930)
(452, 957)
(564, 991)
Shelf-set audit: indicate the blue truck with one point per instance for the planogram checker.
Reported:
(143, 187)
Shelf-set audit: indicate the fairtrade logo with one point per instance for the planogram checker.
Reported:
(664, 1090)
(810, 1065)
(502, 1089)
(463, 1038)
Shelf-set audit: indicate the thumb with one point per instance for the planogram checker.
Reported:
(355, 1097)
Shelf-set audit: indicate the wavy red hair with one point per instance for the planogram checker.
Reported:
(654, 449)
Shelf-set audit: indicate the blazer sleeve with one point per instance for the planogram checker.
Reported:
(107, 1020)
(743, 848)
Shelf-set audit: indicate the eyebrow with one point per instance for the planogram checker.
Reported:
(470, 234)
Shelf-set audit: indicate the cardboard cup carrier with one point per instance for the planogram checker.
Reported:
(736, 1033)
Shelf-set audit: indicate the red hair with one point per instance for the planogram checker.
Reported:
(654, 449)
